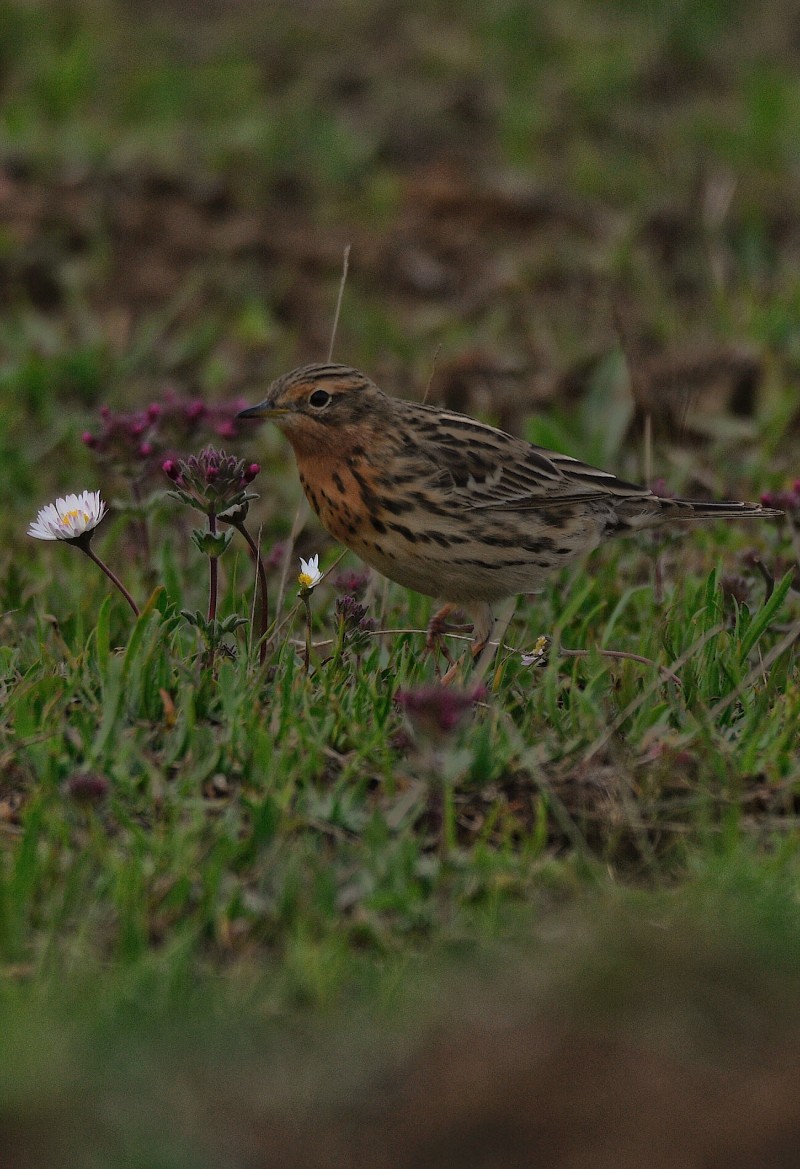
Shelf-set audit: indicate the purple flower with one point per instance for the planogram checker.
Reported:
(213, 482)
(783, 500)
(129, 441)
(88, 787)
(438, 710)
(357, 625)
(352, 582)
(275, 556)
(659, 487)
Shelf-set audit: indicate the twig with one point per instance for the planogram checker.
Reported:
(623, 655)
(433, 371)
(345, 266)
(494, 645)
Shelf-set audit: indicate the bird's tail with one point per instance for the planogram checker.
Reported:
(702, 509)
(653, 511)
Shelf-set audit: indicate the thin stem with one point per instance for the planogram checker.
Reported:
(794, 535)
(262, 584)
(112, 576)
(213, 577)
(213, 587)
(623, 656)
(307, 658)
(339, 644)
(345, 265)
(619, 654)
(437, 351)
(300, 518)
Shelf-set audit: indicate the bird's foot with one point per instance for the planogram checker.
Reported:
(434, 639)
(468, 659)
(438, 627)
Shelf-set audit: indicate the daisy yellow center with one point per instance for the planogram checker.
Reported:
(305, 580)
(68, 517)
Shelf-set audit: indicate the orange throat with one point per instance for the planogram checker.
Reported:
(332, 490)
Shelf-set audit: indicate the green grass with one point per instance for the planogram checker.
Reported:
(254, 801)
(568, 199)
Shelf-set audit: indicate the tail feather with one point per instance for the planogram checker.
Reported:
(651, 511)
(699, 509)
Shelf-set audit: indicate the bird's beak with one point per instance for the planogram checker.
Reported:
(264, 409)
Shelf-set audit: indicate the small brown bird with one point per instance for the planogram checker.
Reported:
(449, 506)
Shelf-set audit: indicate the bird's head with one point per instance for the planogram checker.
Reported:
(320, 407)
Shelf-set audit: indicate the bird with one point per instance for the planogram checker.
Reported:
(449, 506)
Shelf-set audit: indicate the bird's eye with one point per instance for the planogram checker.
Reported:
(319, 399)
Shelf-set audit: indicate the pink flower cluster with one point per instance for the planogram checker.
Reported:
(438, 710)
(787, 499)
(134, 442)
(211, 481)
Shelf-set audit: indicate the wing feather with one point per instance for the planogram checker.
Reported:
(487, 468)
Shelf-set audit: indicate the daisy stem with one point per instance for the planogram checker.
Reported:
(112, 576)
(307, 607)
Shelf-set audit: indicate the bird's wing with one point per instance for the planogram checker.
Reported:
(488, 468)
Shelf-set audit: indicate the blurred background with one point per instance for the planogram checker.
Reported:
(568, 217)
(583, 208)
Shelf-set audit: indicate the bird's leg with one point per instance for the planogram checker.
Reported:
(434, 640)
(481, 630)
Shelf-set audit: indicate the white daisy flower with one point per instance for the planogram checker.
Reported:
(68, 518)
(310, 574)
